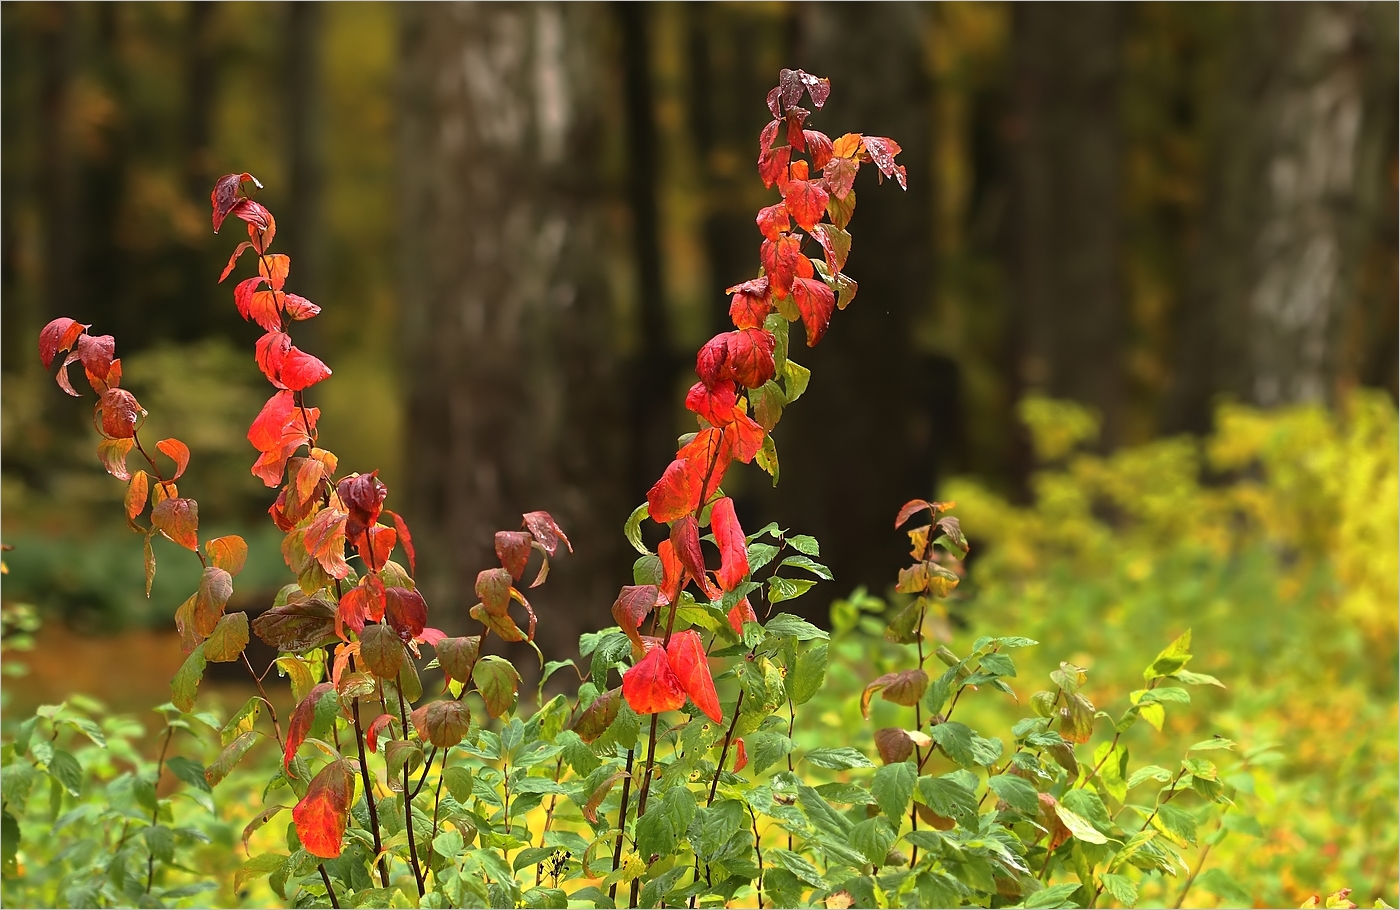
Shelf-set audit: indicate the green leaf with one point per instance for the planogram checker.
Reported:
(1176, 824)
(795, 379)
(804, 544)
(1054, 896)
(1218, 882)
(242, 722)
(9, 839)
(797, 865)
(893, 787)
(781, 589)
(1196, 679)
(807, 676)
(498, 682)
(161, 842)
(632, 530)
(64, 769)
(785, 625)
(1017, 793)
(89, 729)
(1218, 742)
(766, 749)
(809, 564)
(185, 684)
(189, 771)
(1172, 658)
(964, 746)
(842, 758)
(647, 570)
(1087, 805)
(1079, 826)
(458, 779)
(873, 838)
(767, 459)
(257, 867)
(1121, 887)
(998, 664)
(231, 755)
(947, 797)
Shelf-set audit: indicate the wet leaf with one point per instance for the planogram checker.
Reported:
(228, 638)
(321, 815)
(178, 520)
(498, 684)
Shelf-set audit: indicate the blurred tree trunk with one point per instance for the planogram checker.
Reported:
(865, 436)
(302, 58)
(514, 397)
(1066, 243)
(1298, 173)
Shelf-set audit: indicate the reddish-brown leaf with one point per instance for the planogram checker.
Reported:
(299, 308)
(405, 611)
(818, 146)
(442, 723)
(651, 686)
(513, 549)
(120, 410)
(750, 304)
(363, 496)
(741, 755)
(112, 453)
(378, 725)
(904, 687)
(546, 531)
(493, 587)
(686, 654)
(381, 651)
(773, 164)
(893, 744)
(780, 259)
(97, 353)
(405, 539)
(750, 356)
(815, 302)
(907, 510)
(215, 588)
(773, 221)
(733, 551)
(685, 539)
(59, 335)
(835, 243)
(714, 403)
(136, 493)
(299, 725)
(228, 193)
(274, 267)
(631, 608)
(321, 815)
(297, 626)
(457, 656)
(178, 520)
(598, 716)
(741, 613)
(177, 452)
(840, 175)
(882, 151)
(806, 200)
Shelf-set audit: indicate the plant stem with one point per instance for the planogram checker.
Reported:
(408, 806)
(426, 768)
(724, 752)
(369, 790)
(645, 792)
(1191, 879)
(155, 815)
(758, 851)
(621, 822)
(329, 890)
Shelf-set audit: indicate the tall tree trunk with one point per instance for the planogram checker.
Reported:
(514, 401)
(1296, 160)
(302, 58)
(1066, 245)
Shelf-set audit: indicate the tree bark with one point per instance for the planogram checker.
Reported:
(1066, 236)
(1298, 172)
(514, 400)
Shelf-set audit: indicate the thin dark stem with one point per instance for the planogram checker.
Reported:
(621, 821)
(155, 814)
(758, 852)
(408, 807)
(329, 890)
(369, 789)
(645, 792)
(271, 711)
(549, 817)
(426, 768)
(724, 752)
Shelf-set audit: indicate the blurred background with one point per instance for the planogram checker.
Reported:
(519, 222)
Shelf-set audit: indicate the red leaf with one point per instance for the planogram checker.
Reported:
(773, 220)
(302, 718)
(301, 370)
(632, 606)
(685, 538)
(274, 268)
(775, 101)
(513, 549)
(323, 813)
(243, 294)
(733, 550)
(750, 305)
(672, 573)
(359, 605)
(271, 353)
(363, 496)
(882, 151)
(840, 175)
(375, 726)
(836, 243)
(549, 534)
(406, 612)
(780, 259)
(750, 356)
(493, 587)
(651, 686)
(819, 147)
(686, 654)
(257, 216)
(773, 164)
(815, 302)
(178, 519)
(768, 134)
(675, 494)
(120, 410)
(741, 613)
(806, 200)
(57, 336)
(794, 118)
(299, 308)
(715, 404)
(233, 260)
(270, 425)
(711, 360)
(743, 436)
(177, 452)
(741, 755)
(908, 510)
(405, 539)
(375, 545)
(227, 193)
(96, 352)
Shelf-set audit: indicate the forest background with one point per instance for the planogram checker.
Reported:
(1147, 209)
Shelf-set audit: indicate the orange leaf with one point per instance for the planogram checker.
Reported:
(360, 604)
(685, 538)
(274, 268)
(178, 519)
(325, 542)
(686, 654)
(741, 755)
(733, 552)
(323, 813)
(301, 720)
(120, 410)
(136, 493)
(672, 573)
(773, 220)
(750, 304)
(806, 200)
(233, 259)
(112, 453)
(228, 553)
(178, 452)
(651, 686)
(848, 146)
(741, 613)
